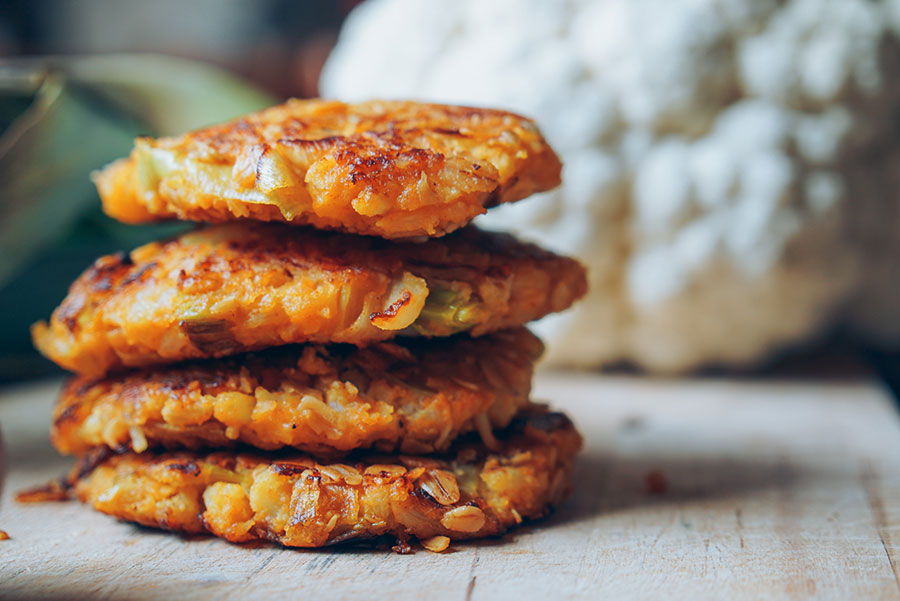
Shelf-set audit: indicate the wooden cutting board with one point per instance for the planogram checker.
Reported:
(691, 489)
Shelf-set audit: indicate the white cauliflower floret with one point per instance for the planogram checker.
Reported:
(731, 166)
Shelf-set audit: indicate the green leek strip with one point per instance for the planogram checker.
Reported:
(447, 312)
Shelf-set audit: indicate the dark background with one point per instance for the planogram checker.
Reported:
(279, 45)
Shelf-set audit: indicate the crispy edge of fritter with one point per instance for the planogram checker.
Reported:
(415, 395)
(385, 168)
(298, 502)
(142, 309)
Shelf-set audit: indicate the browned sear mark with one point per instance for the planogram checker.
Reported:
(393, 308)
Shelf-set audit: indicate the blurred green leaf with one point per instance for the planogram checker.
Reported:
(84, 112)
(45, 156)
(62, 118)
(170, 95)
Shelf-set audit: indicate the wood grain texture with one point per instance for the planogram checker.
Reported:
(701, 489)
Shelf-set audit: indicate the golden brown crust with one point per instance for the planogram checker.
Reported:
(384, 168)
(415, 395)
(298, 502)
(226, 289)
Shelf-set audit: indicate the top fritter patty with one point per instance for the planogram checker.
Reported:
(225, 289)
(389, 169)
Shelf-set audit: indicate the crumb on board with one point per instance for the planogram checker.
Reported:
(4, 535)
(436, 544)
(655, 482)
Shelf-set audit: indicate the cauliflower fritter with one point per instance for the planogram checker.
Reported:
(389, 169)
(414, 395)
(298, 502)
(238, 287)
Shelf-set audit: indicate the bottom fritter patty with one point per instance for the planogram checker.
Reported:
(470, 492)
(413, 395)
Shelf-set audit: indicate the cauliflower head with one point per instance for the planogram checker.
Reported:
(731, 166)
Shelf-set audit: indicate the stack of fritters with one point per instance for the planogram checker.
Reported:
(355, 367)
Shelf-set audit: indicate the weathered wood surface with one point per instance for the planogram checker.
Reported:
(777, 489)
